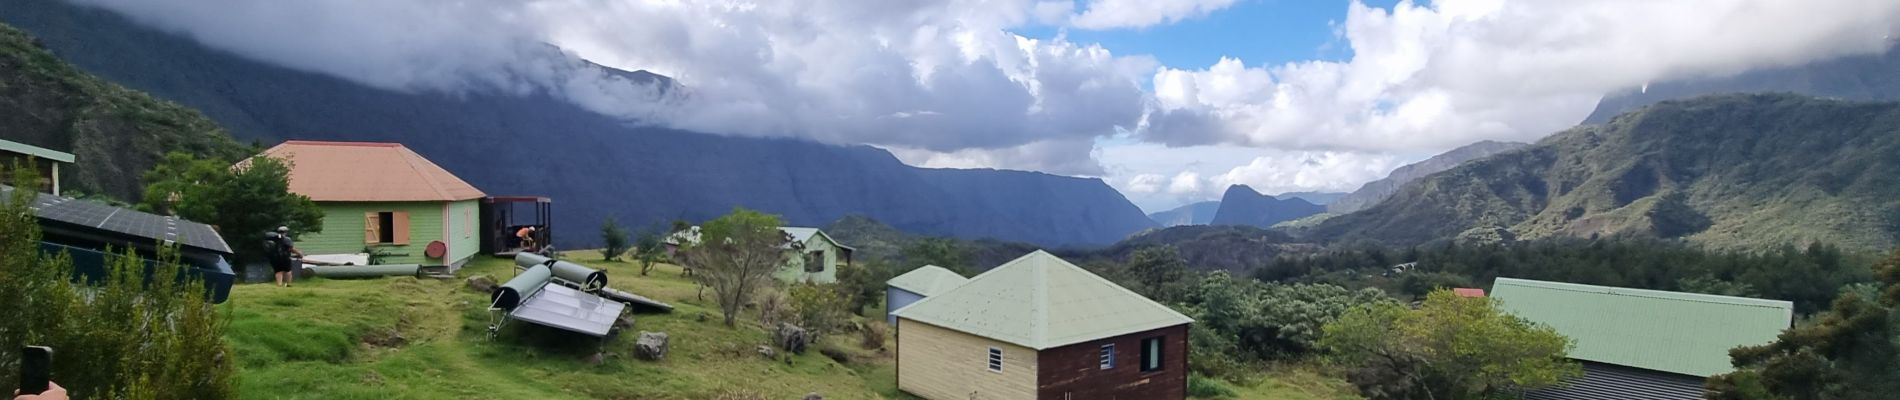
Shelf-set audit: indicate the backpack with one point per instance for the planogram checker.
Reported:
(274, 246)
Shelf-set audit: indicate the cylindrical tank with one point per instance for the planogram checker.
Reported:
(510, 294)
(363, 271)
(590, 279)
(526, 259)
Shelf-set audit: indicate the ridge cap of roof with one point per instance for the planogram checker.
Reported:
(1644, 293)
(341, 143)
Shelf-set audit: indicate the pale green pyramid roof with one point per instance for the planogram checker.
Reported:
(1040, 301)
(928, 280)
(1684, 333)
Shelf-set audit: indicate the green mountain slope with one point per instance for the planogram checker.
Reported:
(114, 133)
(1730, 171)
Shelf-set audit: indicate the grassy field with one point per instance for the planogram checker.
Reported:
(407, 338)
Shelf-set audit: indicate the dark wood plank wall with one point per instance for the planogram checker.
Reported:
(1073, 372)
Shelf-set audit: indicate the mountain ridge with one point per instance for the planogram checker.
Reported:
(1856, 77)
(595, 166)
(1374, 192)
(1728, 171)
(1196, 213)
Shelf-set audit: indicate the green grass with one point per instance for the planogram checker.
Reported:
(331, 339)
(328, 339)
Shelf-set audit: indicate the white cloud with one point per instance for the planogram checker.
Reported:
(1456, 71)
(1110, 14)
(1062, 157)
(1145, 183)
(1307, 172)
(942, 76)
(1186, 182)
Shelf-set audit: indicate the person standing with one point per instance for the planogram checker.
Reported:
(280, 249)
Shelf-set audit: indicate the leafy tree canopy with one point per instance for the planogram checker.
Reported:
(1451, 347)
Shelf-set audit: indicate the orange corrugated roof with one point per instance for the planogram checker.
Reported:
(1468, 292)
(367, 171)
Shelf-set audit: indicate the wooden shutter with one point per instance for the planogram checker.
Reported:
(401, 225)
(370, 223)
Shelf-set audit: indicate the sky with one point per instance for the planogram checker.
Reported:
(1168, 101)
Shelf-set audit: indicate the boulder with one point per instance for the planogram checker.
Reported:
(624, 322)
(651, 346)
(791, 338)
(481, 283)
(767, 352)
(814, 396)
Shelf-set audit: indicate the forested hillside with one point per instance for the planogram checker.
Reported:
(115, 134)
(1374, 192)
(1729, 171)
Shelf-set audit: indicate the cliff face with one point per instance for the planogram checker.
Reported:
(1241, 205)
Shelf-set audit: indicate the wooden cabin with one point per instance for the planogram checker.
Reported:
(1039, 327)
(385, 200)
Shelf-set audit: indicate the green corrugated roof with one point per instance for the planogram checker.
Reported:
(36, 151)
(1684, 333)
(928, 280)
(1040, 301)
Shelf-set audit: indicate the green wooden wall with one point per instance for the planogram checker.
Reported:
(464, 238)
(344, 226)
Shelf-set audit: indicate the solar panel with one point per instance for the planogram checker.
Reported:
(124, 221)
(561, 307)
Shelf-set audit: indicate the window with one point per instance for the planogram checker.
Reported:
(1151, 354)
(996, 359)
(815, 261)
(1108, 356)
(386, 227)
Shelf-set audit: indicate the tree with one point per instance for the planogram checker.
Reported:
(1850, 352)
(819, 308)
(736, 255)
(141, 332)
(940, 252)
(243, 201)
(1451, 347)
(863, 283)
(1157, 272)
(1267, 321)
(614, 240)
(648, 247)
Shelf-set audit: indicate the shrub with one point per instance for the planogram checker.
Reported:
(872, 335)
(819, 308)
(139, 333)
(1201, 387)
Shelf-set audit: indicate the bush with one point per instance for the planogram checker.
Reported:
(819, 308)
(140, 333)
(872, 335)
(614, 240)
(1201, 387)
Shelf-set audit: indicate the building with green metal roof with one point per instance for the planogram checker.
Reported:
(925, 281)
(46, 161)
(1040, 327)
(1637, 343)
